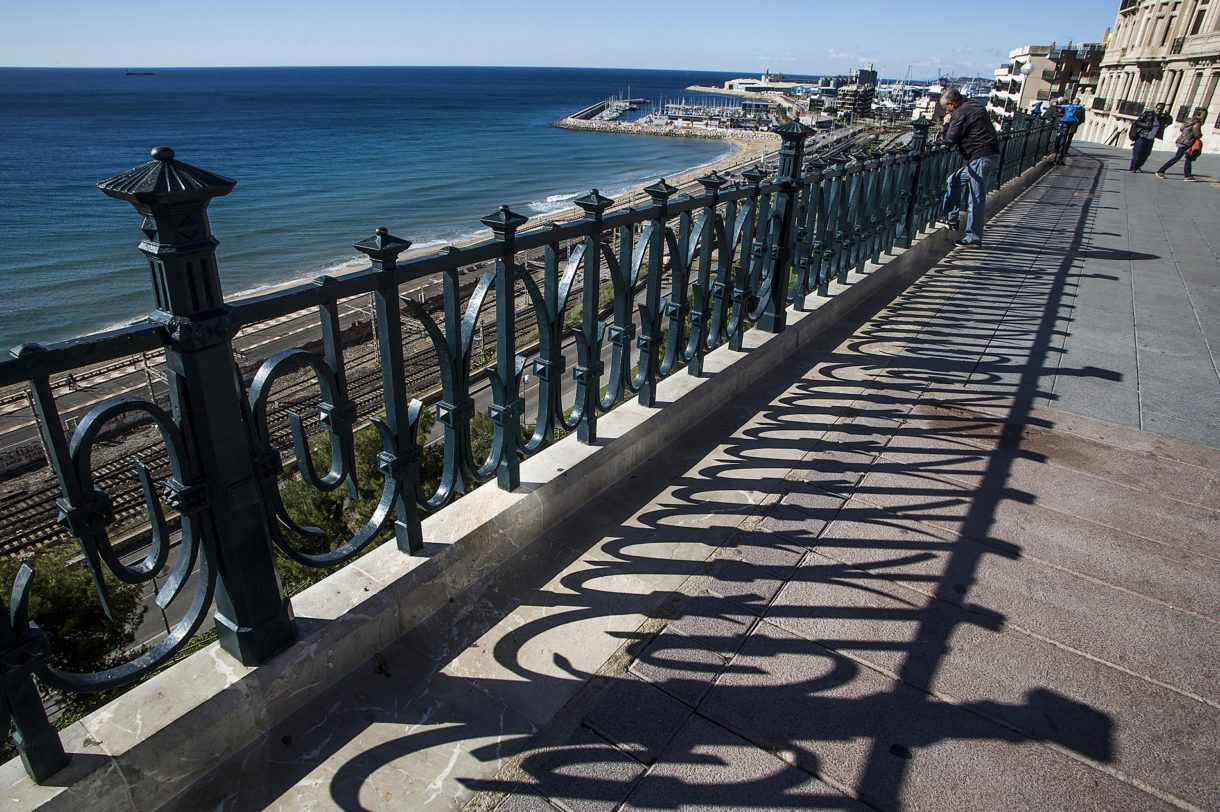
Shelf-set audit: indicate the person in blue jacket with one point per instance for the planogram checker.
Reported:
(1071, 115)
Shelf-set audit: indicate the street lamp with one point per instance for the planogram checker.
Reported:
(1026, 70)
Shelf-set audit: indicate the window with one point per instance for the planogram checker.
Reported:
(1210, 93)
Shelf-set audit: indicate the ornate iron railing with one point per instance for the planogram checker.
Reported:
(686, 273)
(1130, 108)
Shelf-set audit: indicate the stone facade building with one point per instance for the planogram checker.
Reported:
(1160, 51)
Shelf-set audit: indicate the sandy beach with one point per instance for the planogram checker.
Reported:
(745, 152)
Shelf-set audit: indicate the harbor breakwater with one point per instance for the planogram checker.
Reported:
(635, 128)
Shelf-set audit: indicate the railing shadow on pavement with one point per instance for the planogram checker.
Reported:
(975, 348)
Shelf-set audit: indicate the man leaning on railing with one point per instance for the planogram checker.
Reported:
(969, 128)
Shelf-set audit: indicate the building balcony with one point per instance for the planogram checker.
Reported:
(1129, 108)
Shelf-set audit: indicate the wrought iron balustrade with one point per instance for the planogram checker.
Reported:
(679, 275)
(1130, 108)
(1099, 103)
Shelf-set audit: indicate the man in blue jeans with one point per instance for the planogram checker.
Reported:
(969, 128)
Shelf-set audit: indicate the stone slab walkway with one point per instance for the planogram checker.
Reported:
(964, 554)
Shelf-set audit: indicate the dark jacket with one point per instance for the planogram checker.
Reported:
(1144, 125)
(971, 130)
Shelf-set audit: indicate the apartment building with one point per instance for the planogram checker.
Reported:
(1164, 51)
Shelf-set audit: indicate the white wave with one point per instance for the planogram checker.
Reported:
(551, 203)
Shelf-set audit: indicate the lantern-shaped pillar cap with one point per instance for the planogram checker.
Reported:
(382, 246)
(504, 222)
(713, 181)
(165, 181)
(594, 203)
(792, 131)
(661, 191)
(755, 174)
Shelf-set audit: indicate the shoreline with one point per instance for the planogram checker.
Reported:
(744, 151)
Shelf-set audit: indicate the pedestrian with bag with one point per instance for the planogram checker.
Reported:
(1189, 144)
(1145, 132)
(969, 128)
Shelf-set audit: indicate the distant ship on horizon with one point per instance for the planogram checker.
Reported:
(140, 73)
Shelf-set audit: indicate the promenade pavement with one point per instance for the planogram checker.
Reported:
(963, 553)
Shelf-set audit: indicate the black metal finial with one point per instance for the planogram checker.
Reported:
(660, 191)
(383, 247)
(504, 221)
(755, 174)
(594, 203)
(166, 181)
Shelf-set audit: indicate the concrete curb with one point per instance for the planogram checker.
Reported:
(154, 742)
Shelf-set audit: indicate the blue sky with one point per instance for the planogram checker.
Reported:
(814, 36)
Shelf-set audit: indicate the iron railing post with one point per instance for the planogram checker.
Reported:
(506, 406)
(589, 367)
(253, 618)
(782, 233)
(649, 342)
(1005, 140)
(401, 462)
(42, 752)
(919, 144)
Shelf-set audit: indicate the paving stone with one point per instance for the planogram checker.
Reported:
(1126, 437)
(1047, 692)
(523, 800)
(716, 624)
(1162, 519)
(1190, 429)
(679, 666)
(637, 717)
(1106, 400)
(781, 535)
(1128, 630)
(707, 767)
(892, 745)
(835, 467)
(1179, 576)
(820, 504)
(584, 774)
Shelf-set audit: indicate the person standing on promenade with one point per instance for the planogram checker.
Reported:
(1190, 132)
(1144, 133)
(968, 127)
(1071, 115)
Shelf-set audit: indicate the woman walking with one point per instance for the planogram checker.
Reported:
(1190, 132)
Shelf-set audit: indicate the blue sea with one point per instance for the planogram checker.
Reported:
(321, 157)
